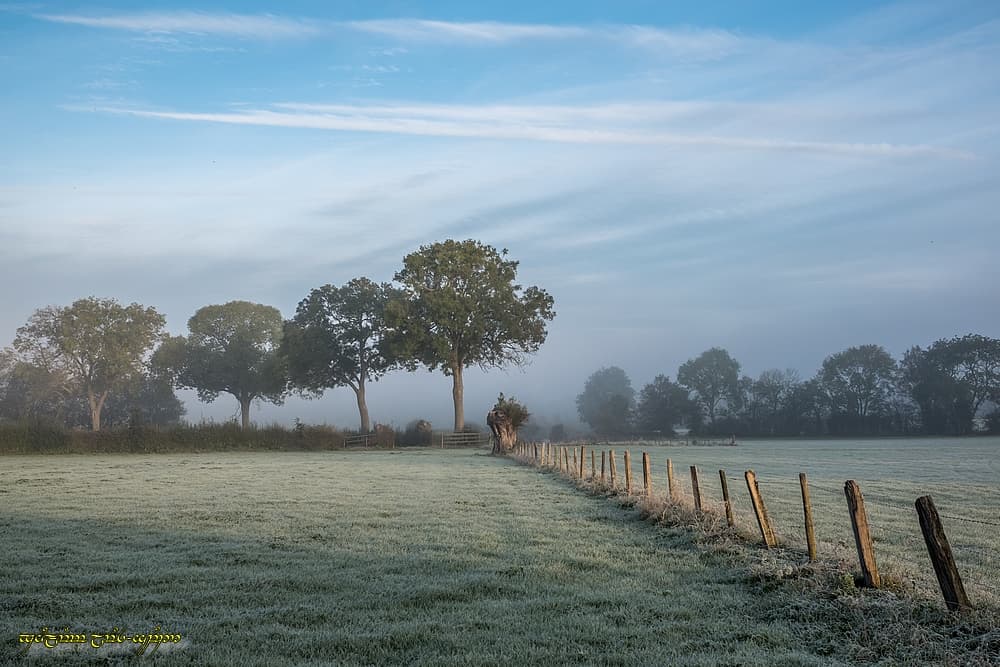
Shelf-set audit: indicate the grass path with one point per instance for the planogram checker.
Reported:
(417, 557)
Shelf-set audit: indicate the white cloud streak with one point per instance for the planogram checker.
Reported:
(258, 26)
(490, 32)
(544, 123)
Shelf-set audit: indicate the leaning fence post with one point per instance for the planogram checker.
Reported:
(695, 489)
(941, 556)
(807, 511)
(759, 510)
(627, 457)
(862, 534)
(611, 458)
(647, 476)
(725, 499)
(671, 487)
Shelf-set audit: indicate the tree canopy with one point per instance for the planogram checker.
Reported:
(94, 345)
(231, 348)
(460, 306)
(663, 405)
(858, 382)
(714, 377)
(337, 339)
(606, 401)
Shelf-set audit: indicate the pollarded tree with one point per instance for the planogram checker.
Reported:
(460, 305)
(504, 420)
(231, 348)
(714, 377)
(337, 338)
(97, 344)
(606, 401)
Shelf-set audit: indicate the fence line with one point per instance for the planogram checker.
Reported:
(857, 507)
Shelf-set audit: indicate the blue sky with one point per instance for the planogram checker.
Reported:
(781, 179)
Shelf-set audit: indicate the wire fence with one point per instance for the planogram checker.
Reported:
(900, 546)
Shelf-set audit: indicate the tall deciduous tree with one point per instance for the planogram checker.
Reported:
(714, 377)
(460, 305)
(606, 401)
(858, 381)
(664, 404)
(97, 344)
(231, 348)
(337, 338)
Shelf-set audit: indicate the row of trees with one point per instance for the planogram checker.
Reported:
(860, 391)
(452, 305)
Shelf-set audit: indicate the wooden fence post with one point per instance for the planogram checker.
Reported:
(807, 512)
(628, 472)
(603, 459)
(671, 486)
(566, 460)
(759, 510)
(695, 489)
(572, 471)
(582, 452)
(725, 499)
(593, 464)
(941, 556)
(862, 534)
(647, 476)
(611, 457)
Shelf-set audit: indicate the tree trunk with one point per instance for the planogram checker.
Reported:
(245, 411)
(504, 433)
(96, 406)
(458, 395)
(366, 425)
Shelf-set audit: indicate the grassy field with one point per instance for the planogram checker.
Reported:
(417, 557)
(961, 474)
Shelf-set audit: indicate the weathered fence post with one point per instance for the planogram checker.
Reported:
(941, 556)
(671, 487)
(647, 476)
(628, 472)
(582, 452)
(725, 499)
(593, 464)
(611, 466)
(572, 470)
(759, 510)
(807, 512)
(862, 534)
(695, 489)
(603, 464)
(566, 468)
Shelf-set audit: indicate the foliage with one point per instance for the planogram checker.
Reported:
(516, 412)
(91, 347)
(714, 377)
(337, 338)
(858, 383)
(664, 405)
(231, 348)
(459, 306)
(606, 401)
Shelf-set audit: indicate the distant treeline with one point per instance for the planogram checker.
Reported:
(949, 388)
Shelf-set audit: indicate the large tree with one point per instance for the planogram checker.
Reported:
(663, 405)
(606, 401)
(337, 338)
(459, 306)
(231, 348)
(714, 377)
(98, 345)
(858, 383)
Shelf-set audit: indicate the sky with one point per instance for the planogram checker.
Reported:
(781, 179)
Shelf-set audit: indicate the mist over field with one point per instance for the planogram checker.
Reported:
(783, 186)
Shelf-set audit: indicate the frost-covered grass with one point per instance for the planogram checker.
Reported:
(961, 474)
(412, 557)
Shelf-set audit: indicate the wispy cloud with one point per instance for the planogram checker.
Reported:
(649, 125)
(258, 26)
(417, 30)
